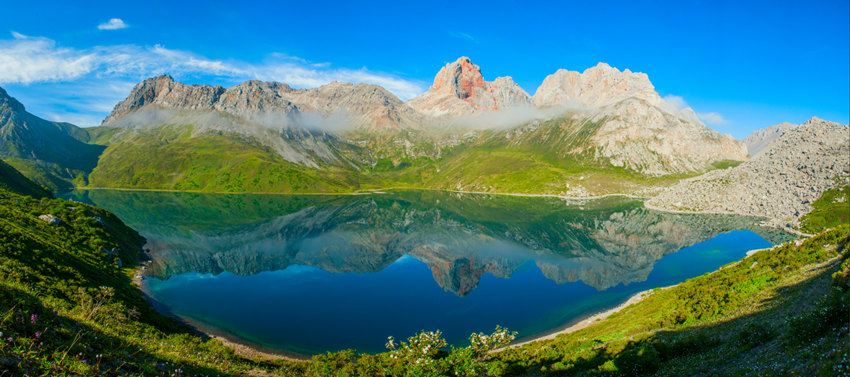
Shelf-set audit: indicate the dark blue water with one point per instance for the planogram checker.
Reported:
(308, 275)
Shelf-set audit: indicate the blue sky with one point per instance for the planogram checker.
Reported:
(751, 64)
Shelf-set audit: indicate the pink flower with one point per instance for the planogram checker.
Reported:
(33, 318)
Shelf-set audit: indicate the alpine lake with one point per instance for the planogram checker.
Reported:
(306, 274)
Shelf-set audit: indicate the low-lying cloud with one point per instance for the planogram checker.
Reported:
(513, 116)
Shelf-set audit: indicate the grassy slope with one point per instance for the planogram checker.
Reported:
(551, 158)
(12, 180)
(68, 309)
(172, 159)
(548, 159)
(831, 209)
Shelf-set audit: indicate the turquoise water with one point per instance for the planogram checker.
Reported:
(308, 274)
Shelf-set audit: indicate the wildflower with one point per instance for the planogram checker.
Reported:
(33, 318)
(10, 339)
(38, 335)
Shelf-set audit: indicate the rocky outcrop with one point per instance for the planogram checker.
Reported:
(459, 89)
(597, 86)
(779, 184)
(638, 135)
(761, 139)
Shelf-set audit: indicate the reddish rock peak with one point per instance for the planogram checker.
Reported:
(460, 78)
(459, 88)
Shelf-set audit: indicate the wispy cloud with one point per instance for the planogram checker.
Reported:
(101, 76)
(32, 59)
(677, 103)
(29, 59)
(713, 118)
(113, 24)
(464, 36)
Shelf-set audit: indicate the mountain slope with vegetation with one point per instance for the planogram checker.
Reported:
(53, 154)
(13, 181)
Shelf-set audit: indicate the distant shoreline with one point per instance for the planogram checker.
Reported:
(366, 192)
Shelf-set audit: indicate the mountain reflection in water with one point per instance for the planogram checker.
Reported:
(461, 237)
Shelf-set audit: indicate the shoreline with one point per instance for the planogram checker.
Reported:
(589, 320)
(766, 221)
(375, 191)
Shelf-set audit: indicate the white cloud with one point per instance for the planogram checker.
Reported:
(113, 24)
(30, 60)
(713, 118)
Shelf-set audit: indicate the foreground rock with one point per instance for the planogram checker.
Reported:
(779, 184)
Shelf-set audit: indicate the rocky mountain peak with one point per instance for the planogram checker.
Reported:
(460, 78)
(597, 86)
(460, 89)
(9, 102)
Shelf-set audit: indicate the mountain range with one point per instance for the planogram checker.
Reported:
(596, 132)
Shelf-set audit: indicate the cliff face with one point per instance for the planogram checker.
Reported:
(459, 89)
(780, 183)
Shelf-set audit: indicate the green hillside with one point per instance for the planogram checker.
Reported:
(171, 158)
(54, 154)
(550, 158)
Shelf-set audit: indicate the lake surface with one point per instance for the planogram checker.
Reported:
(309, 274)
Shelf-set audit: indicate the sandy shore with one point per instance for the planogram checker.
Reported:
(589, 321)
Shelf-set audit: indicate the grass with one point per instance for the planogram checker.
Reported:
(830, 210)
